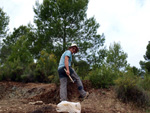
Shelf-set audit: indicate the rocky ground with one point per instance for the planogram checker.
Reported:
(43, 98)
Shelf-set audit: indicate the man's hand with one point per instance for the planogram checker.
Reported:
(68, 72)
(69, 76)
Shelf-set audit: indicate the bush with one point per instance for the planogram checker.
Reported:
(102, 77)
(12, 70)
(82, 68)
(29, 73)
(45, 70)
(47, 66)
(145, 83)
(1, 74)
(127, 90)
(55, 79)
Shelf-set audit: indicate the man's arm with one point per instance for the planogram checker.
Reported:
(67, 65)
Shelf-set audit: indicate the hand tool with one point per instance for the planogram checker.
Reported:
(69, 76)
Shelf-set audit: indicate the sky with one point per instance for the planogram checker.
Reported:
(126, 22)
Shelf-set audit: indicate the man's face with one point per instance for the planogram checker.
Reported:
(74, 49)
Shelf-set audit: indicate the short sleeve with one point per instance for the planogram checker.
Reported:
(68, 53)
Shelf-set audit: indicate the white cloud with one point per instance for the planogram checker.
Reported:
(124, 21)
(19, 11)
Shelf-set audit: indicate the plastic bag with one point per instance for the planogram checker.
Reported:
(70, 107)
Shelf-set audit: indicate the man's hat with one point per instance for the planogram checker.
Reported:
(74, 45)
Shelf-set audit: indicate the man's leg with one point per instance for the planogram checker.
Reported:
(63, 89)
(79, 83)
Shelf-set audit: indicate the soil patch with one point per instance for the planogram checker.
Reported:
(42, 98)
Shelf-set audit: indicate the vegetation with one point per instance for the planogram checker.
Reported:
(128, 89)
(58, 25)
(63, 22)
(31, 54)
(4, 20)
(102, 77)
(116, 57)
(146, 64)
(145, 82)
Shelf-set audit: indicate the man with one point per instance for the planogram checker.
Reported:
(65, 63)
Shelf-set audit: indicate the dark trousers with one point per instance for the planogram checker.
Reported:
(63, 83)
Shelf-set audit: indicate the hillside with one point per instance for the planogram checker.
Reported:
(42, 98)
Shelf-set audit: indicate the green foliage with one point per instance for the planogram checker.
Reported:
(4, 20)
(145, 65)
(128, 91)
(12, 70)
(45, 70)
(19, 44)
(59, 23)
(127, 80)
(47, 66)
(102, 77)
(137, 72)
(63, 22)
(96, 59)
(82, 68)
(20, 50)
(147, 54)
(47, 62)
(116, 58)
(19, 32)
(145, 83)
(29, 73)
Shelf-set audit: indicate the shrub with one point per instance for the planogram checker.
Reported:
(1, 74)
(54, 79)
(127, 90)
(12, 70)
(46, 68)
(82, 68)
(102, 77)
(145, 83)
(29, 73)
(5, 72)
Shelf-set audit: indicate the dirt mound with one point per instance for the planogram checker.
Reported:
(43, 98)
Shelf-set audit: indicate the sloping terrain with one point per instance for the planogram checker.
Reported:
(42, 98)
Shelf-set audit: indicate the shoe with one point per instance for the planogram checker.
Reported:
(86, 96)
(81, 98)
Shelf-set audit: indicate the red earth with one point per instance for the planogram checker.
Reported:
(16, 97)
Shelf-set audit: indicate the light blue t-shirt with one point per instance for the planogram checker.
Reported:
(62, 59)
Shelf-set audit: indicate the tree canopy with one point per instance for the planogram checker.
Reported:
(146, 64)
(62, 22)
(116, 57)
(4, 21)
(19, 43)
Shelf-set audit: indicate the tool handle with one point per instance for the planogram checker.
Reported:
(69, 76)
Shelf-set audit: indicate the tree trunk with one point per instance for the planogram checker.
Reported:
(64, 39)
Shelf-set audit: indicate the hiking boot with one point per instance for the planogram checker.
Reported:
(81, 98)
(86, 96)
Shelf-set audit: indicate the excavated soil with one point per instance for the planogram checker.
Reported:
(42, 98)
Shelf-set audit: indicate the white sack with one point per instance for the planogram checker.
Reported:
(71, 107)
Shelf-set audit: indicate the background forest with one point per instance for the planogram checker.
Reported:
(31, 53)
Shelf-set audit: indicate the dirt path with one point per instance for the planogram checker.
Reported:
(43, 98)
